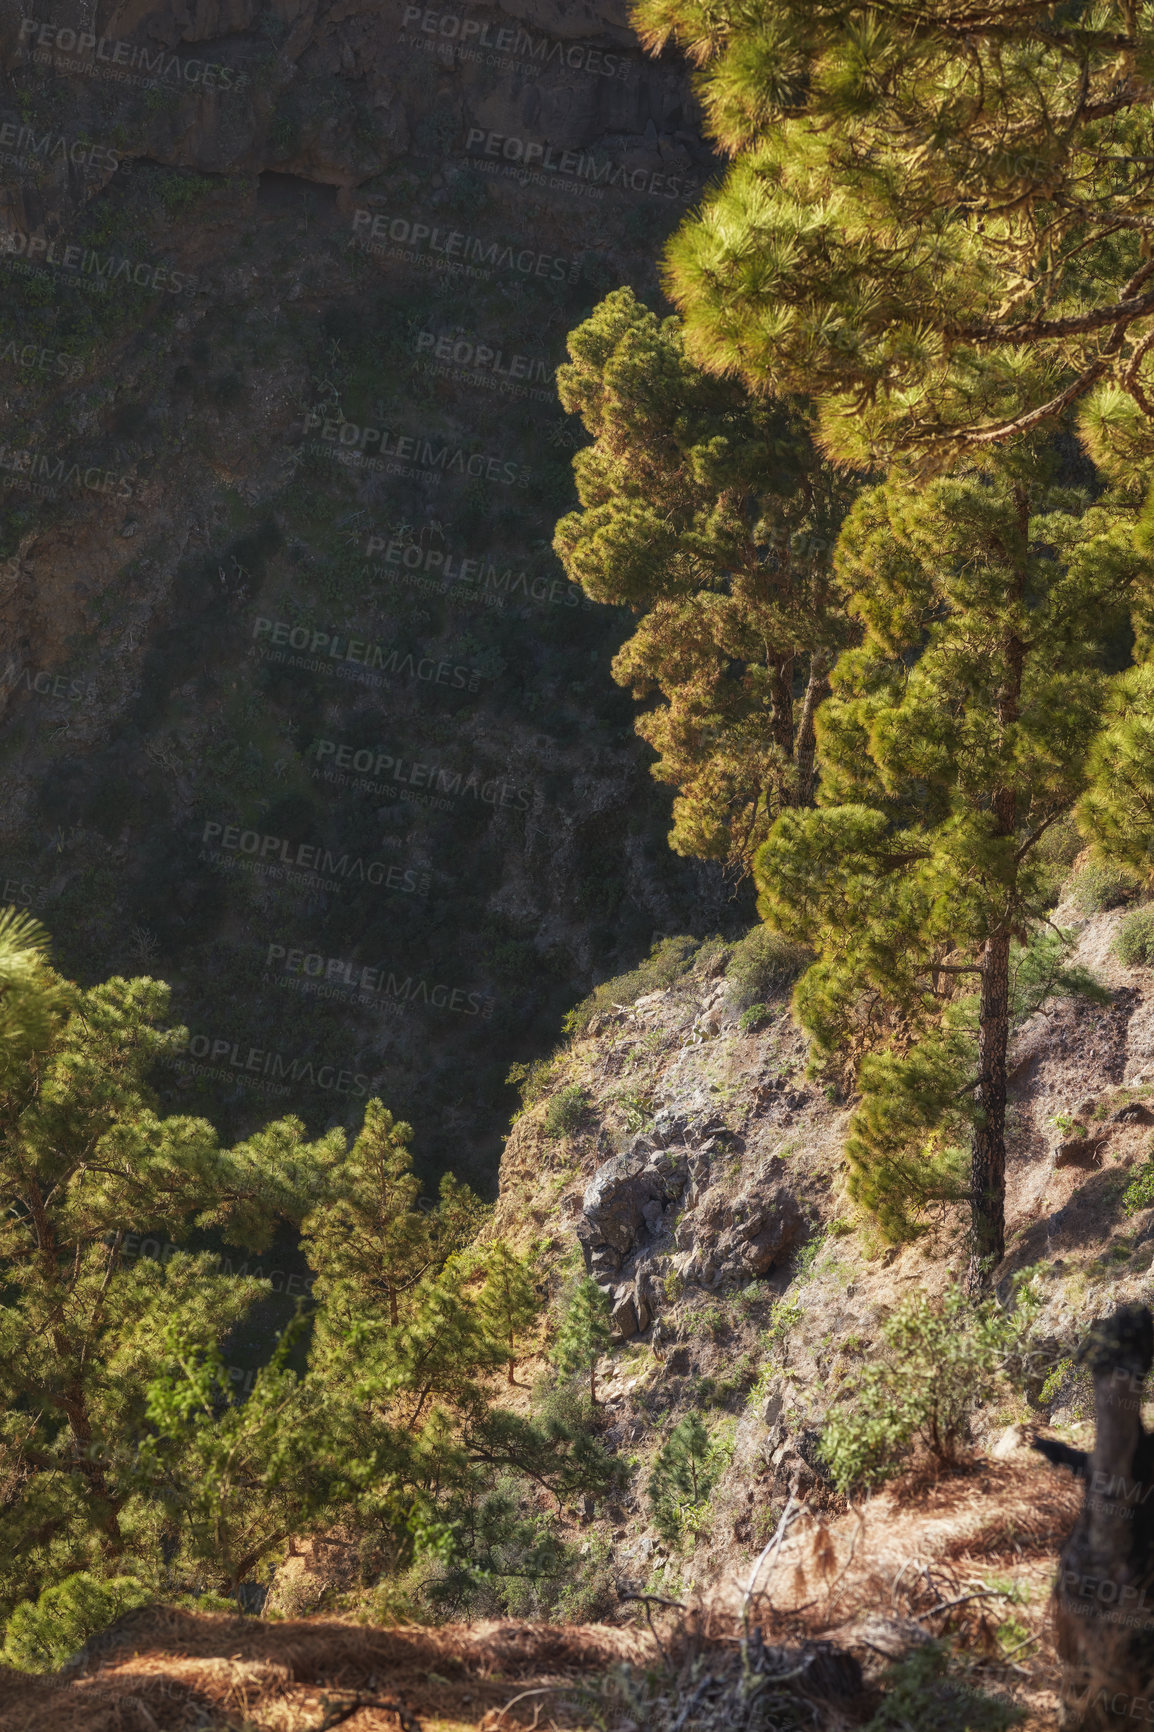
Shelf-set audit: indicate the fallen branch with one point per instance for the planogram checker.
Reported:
(774, 1546)
(543, 1690)
(656, 1600)
(948, 1605)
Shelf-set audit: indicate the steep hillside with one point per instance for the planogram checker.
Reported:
(702, 1184)
(675, 1147)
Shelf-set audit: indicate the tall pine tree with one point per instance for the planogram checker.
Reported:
(957, 734)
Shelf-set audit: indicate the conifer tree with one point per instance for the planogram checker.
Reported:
(130, 1462)
(956, 735)
(684, 1472)
(509, 1301)
(708, 512)
(84, 1161)
(369, 1240)
(1116, 813)
(583, 1334)
(233, 1475)
(936, 220)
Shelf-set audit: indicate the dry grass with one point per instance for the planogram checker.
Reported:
(969, 1556)
(167, 1671)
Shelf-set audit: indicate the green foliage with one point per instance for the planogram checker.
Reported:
(567, 1112)
(135, 1465)
(851, 255)
(754, 1017)
(920, 1696)
(957, 733)
(1039, 971)
(1139, 1193)
(43, 1633)
(667, 962)
(232, 1476)
(583, 1333)
(179, 192)
(84, 1158)
(1101, 885)
(532, 1079)
(490, 1551)
(761, 965)
(1134, 939)
(687, 1466)
(509, 1301)
(369, 1240)
(709, 512)
(1117, 812)
(943, 1359)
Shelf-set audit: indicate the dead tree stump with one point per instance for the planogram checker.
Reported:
(1103, 1600)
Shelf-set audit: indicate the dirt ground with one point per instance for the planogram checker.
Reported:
(969, 1557)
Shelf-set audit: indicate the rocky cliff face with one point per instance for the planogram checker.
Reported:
(704, 1191)
(298, 711)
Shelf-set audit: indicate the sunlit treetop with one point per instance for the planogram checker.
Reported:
(937, 219)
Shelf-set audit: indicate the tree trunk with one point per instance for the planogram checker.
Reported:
(1104, 1596)
(804, 750)
(988, 1149)
(781, 727)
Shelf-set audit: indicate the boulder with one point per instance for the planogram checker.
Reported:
(626, 1195)
(669, 1126)
(768, 1231)
(623, 1319)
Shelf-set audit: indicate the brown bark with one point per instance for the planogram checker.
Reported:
(1104, 1596)
(988, 1148)
(988, 1144)
(804, 751)
(782, 726)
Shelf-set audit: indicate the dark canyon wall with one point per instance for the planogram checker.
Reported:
(297, 710)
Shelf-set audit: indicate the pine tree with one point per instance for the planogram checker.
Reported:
(583, 1335)
(956, 736)
(85, 1161)
(1116, 813)
(936, 219)
(235, 1474)
(709, 514)
(509, 1301)
(369, 1241)
(684, 1472)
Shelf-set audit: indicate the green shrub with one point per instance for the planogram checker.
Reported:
(762, 964)
(754, 1017)
(920, 1696)
(567, 1111)
(43, 1633)
(1139, 1193)
(667, 962)
(1134, 940)
(533, 1079)
(943, 1361)
(1098, 887)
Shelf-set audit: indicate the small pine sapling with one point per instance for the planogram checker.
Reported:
(584, 1333)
